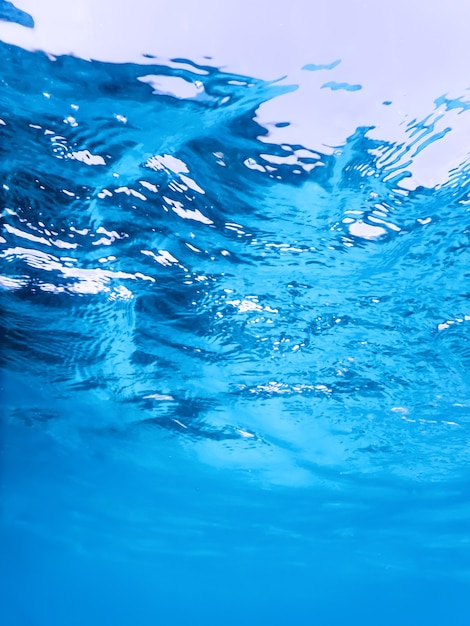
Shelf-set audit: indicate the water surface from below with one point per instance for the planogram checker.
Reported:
(234, 371)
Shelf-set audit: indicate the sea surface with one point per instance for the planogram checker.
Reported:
(235, 371)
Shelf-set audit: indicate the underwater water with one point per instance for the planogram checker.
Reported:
(235, 371)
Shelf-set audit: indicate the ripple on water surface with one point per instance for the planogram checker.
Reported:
(296, 312)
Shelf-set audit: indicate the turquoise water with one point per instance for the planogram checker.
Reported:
(234, 377)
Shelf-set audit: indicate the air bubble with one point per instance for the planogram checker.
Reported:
(59, 149)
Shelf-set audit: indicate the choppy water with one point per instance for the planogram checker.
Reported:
(233, 367)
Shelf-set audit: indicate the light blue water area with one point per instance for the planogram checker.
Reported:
(235, 373)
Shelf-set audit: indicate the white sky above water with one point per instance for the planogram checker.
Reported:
(408, 53)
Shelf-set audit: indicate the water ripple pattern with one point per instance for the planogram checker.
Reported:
(298, 314)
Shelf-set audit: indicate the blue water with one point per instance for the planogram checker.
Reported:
(235, 373)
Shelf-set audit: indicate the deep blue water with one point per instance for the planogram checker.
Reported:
(235, 373)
